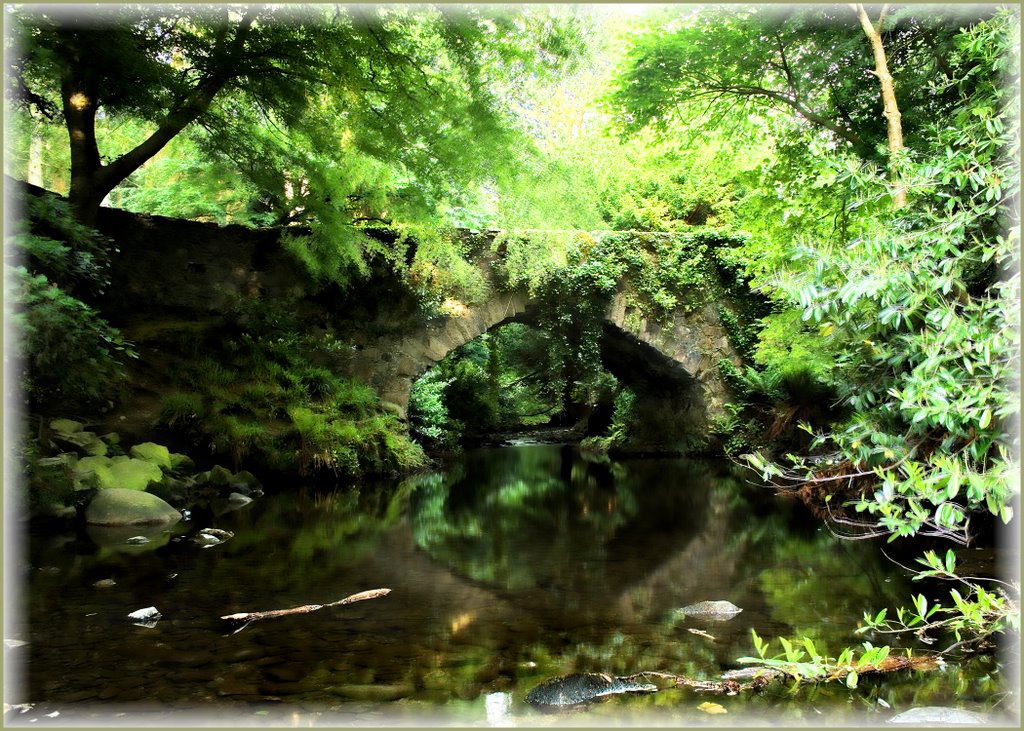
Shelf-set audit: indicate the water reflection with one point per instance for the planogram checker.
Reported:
(516, 565)
(543, 517)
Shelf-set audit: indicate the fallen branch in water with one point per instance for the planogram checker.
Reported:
(758, 677)
(250, 617)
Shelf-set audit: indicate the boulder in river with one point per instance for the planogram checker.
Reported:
(579, 688)
(118, 506)
(717, 610)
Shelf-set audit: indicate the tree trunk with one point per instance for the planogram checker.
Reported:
(891, 110)
(91, 181)
(78, 93)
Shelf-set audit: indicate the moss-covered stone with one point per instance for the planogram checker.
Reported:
(220, 476)
(62, 463)
(245, 482)
(131, 474)
(85, 442)
(170, 489)
(154, 453)
(118, 506)
(66, 426)
(94, 447)
(181, 463)
(92, 472)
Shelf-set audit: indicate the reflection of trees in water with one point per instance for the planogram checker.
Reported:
(544, 518)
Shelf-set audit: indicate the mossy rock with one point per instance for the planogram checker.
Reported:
(93, 472)
(220, 476)
(112, 439)
(118, 506)
(172, 490)
(130, 474)
(246, 483)
(85, 442)
(154, 453)
(181, 463)
(66, 426)
(63, 463)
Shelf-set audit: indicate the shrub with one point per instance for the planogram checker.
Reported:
(68, 355)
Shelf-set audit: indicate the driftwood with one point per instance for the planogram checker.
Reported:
(249, 617)
(763, 676)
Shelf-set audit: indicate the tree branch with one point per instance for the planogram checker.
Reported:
(194, 106)
(249, 617)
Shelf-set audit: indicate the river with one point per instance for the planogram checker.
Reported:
(510, 566)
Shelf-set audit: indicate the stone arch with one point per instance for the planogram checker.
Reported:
(671, 365)
(392, 367)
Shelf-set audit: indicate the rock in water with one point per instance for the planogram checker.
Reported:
(937, 715)
(145, 617)
(116, 506)
(208, 537)
(718, 610)
(579, 688)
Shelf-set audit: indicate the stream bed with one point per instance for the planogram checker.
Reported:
(510, 566)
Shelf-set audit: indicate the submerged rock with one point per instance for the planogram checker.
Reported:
(114, 539)
(717, 610)
(931, 715)
(579, 688)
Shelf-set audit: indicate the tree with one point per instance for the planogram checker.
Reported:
(809, 64)
(892, 115)
(922, 310)
(405, 87)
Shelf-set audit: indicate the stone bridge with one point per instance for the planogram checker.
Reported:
(670, 365)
